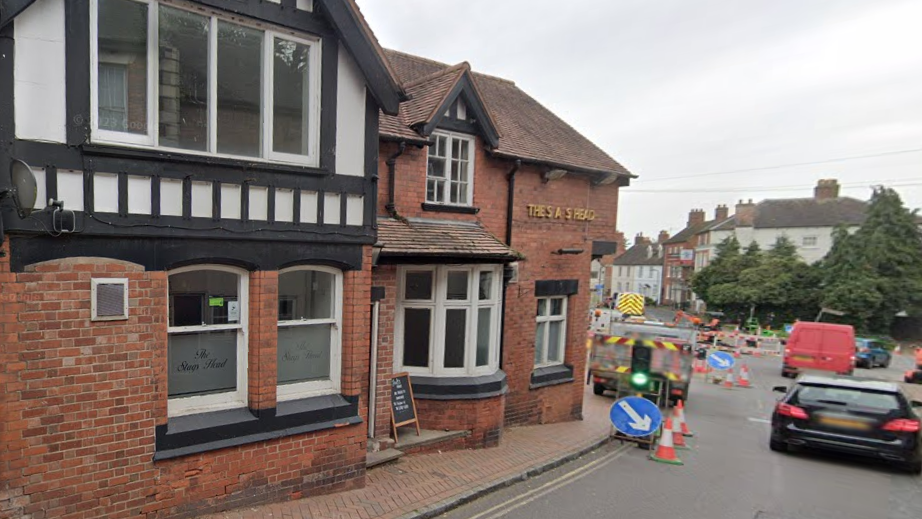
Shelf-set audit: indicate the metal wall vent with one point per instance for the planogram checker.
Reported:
(109, 299)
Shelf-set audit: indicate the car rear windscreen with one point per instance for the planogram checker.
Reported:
(851, 397)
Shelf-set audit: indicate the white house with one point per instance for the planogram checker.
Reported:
(640, 268)
(807, 222)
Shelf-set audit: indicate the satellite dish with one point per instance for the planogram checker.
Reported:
(24, 188)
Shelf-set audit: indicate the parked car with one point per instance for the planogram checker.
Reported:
(859, 416)
(870, 353)
(819, 346)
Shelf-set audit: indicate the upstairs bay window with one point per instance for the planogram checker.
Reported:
(450, 170)
(448, 320)
(167, 77)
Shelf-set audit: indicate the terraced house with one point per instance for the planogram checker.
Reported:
(249, 217)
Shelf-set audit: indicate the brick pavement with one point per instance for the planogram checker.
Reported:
(422, 485)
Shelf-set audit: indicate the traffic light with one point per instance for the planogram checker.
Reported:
(641, 358)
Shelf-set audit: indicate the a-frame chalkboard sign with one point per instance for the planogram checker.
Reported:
(403, 407)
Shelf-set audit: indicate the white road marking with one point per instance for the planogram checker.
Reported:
(554, 484)
(759, 420)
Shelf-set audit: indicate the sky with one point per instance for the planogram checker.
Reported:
(771, 95)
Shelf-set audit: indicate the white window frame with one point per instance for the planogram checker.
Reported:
(152, 136)
(94, 284)
(333, 385)
(815, 244)
(438, 304)
(562, 347)
(179, 406)
(451, 136)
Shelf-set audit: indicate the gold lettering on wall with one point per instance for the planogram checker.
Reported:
(560, 213)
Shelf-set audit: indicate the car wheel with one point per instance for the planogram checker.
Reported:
(598, 389)
(777, 446)
(886, 363)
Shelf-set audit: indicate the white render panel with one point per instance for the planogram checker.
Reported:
(230, 201)
(70, 189)
(202, 200)
(350, 117)
(259, 203)
(354, 209)
(105, 193)
(170, 197)
(308, 207)
(138, 194)
(41, 194)
(331, 208)
(38, 72)
(284, 205)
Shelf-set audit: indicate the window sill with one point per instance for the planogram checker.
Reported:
(444, 208)
(194, 434)
(551, 376)
(428, 387)
(162, 155)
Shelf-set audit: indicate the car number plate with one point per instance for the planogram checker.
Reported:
(844, 423)
(802, 357)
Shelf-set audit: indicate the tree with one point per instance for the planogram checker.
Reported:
(876, 272)
(783, 248)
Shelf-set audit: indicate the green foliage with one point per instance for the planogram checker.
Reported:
(876, 272)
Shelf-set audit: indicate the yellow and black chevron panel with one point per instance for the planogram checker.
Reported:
(630, 304)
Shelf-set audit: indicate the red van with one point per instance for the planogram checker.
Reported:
(820, 346)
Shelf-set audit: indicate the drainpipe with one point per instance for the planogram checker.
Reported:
(391, 163)
(510, 200)
(373, 371)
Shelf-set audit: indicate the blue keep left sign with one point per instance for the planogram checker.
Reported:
(721, 360)
(635, 416)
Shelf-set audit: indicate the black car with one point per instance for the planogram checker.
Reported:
(861, 416)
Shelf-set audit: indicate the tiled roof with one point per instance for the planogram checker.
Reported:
(443, 238)
(685, 234)
(809, 212)
(427, 94)
(528, 130)
(638, 255)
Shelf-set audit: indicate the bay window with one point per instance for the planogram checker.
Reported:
(169, 77)
(448, 320)
(309, 332)
(551, 331)
(450, 170)
(206, 345)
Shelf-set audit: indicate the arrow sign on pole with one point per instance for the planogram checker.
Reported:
(635, 416)
(721, 360)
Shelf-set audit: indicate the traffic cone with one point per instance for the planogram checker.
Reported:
(679, 412)
(757, 353)
(678, 439)
(665, 450)
(728, 381)
(736, 353)
(744, 377)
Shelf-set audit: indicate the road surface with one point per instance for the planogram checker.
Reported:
(729, 474)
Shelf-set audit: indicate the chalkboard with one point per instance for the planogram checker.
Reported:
(403, 407)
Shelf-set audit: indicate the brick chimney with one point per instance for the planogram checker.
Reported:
(745, 213)
(721, 213)
(826, 189)
(663, 236)
(641, 239)
(695, 217)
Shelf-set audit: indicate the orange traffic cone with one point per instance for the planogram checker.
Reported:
(678, 439)
(679, 413)
(736, 353)
(665, 450)
(728, 381)
(744, 377)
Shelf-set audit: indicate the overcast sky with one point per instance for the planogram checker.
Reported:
(677, 89)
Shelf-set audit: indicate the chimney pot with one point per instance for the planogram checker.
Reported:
(721, 213)
(826, 189)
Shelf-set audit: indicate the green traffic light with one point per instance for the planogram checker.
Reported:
(639, 379)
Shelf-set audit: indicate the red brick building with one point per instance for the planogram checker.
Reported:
(185, 329)
(679, 256)
(489, 213)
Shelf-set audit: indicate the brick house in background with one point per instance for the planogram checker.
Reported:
(189, 332)
(679, 256)
(490, 210)
(640, 268)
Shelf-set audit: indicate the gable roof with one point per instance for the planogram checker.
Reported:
(809, 212)
(526, 130)
(685, 234)
(637, 255)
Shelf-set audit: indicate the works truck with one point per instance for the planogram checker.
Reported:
(665, 353)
